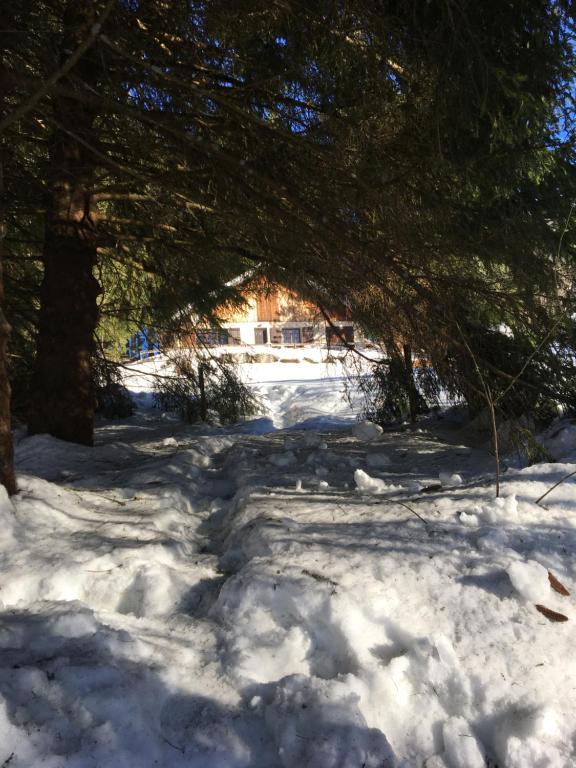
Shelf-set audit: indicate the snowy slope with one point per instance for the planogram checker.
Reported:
(186, 596)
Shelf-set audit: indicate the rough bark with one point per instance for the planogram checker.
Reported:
(7, 475)
(62, 400)
(410, 385)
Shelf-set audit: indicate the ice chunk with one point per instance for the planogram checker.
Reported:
(529, 579)
(414, 486)
(462, 749)
(495, 512)
(467, 519)
(368, 484)
(170, 442)
(503, 508)
(449, 479)
(367, 431)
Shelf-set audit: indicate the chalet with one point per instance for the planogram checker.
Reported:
(277, 316)
(274, 316)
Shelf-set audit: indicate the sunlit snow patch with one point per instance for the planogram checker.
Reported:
(529, 579)
(367, 484)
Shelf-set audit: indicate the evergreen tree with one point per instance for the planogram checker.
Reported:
(402, 159)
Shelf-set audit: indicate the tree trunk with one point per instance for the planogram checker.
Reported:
(410, 385)
(62, 398)
(202, 388)
(7, 476)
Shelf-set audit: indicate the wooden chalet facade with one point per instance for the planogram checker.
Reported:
(277, 316)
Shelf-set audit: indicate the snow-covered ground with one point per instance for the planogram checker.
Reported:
(319, 597)
(305, 385)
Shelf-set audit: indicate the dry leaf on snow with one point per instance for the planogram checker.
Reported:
(556, 585)
(550, 614)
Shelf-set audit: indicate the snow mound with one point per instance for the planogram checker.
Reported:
(449, 479)
(530, 580)
(493, 540)
(532, 735)
(288, 624)
(6, 507)
(498, 511)
(367, 431)
(461, 748)
(85, 702)
(318, 723)
(367, 484)
(7, 520)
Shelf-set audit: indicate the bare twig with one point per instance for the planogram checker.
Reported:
(174, 746)
(562, 479)
(418, 515)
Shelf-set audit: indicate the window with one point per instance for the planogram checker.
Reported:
(233, 335)
(261, 335)
(213, 337)
(308, 334)
(291, 335)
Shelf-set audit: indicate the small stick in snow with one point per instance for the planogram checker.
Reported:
(432, 488)
(174, 746)
(319, 577)
(562, 479)
(418, 515)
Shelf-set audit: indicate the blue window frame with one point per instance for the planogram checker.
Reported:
(291, 335)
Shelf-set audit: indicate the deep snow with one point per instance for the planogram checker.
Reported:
(196, 596)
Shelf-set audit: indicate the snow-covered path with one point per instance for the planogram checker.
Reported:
(179, 597)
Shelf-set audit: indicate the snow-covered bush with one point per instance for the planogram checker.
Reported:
(203, 388)
(387, 390)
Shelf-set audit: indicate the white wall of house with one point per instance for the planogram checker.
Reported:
(282, 332)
